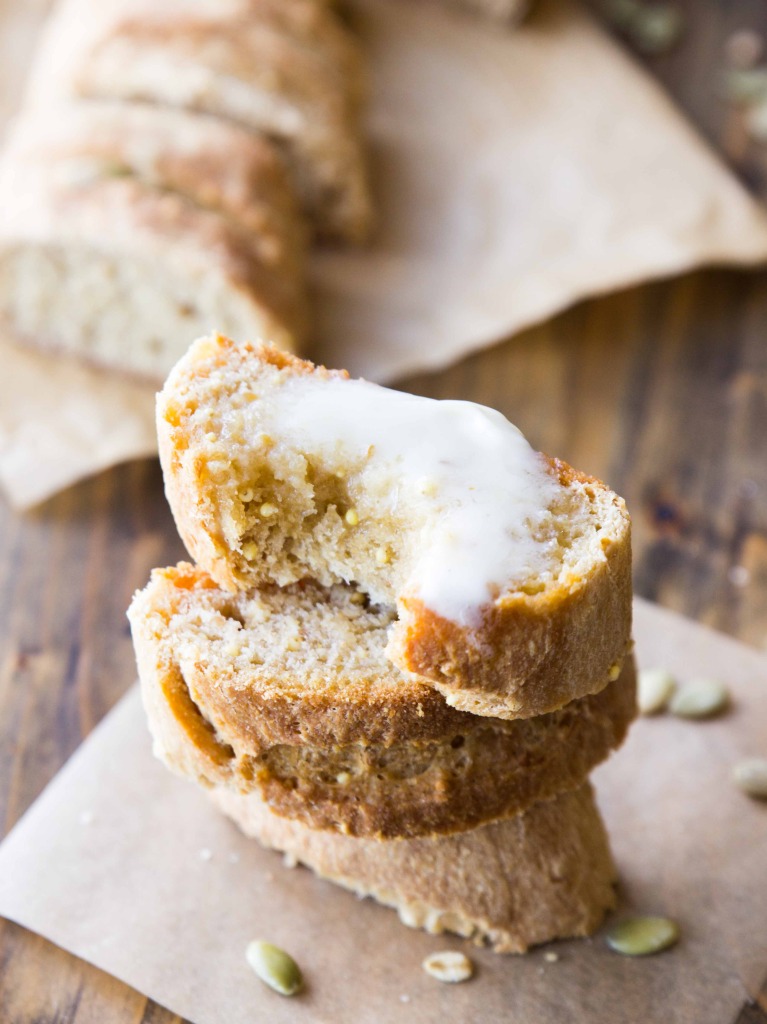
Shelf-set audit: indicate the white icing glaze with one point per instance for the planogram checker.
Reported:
(466, 473)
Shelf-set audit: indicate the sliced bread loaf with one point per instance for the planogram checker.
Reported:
(287, 692)
(510, 572)
(287, 71)
(546, 874)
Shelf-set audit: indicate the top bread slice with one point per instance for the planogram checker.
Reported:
(287, 71)
(510, 572)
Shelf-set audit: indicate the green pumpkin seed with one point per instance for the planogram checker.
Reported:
(274, 967)
(657, 28)
(700, 698)
(640, 936)
(449, 966)
(655, 687)
(751, 777)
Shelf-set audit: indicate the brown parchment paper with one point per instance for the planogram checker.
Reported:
(131, 869)
(515, 173)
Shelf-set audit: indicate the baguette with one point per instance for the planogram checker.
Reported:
(288, 693)
(510, 573)
(543, 875)
(121, 273)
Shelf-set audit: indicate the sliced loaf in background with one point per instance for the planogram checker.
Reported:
(290, 72)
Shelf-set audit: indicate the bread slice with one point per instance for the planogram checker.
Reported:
(122, 274)
(510, 573)
(546, 874)
(287, 71)
(288, 693)
(215, 164)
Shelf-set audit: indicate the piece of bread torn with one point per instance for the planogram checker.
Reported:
(288, 692)
(543, 875)
(510, 573)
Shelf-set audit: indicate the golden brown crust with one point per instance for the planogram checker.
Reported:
(532, 653)
(543, 875)
(382, 756)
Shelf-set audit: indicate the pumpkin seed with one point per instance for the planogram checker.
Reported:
(274, 967)
(700, 698)
(449, 966)
(657, 28)
(751, 777)
(655, 687)
(640, 936)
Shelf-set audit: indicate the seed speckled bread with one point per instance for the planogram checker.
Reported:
(263, 489)
(215, 164)
(288, 71)
(543, 875)
(121, 273)
(288, 692)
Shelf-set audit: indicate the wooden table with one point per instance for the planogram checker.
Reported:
(661, 390)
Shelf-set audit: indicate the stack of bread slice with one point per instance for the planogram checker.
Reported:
(403, 648)
(168, 170)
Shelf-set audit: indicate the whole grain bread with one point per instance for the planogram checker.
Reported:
(287, 692)
(546, 874)
(120, 272)
(254, 504)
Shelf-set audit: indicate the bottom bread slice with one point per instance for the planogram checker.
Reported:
(546, 874)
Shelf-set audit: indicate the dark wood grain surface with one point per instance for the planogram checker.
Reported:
(661, 390)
